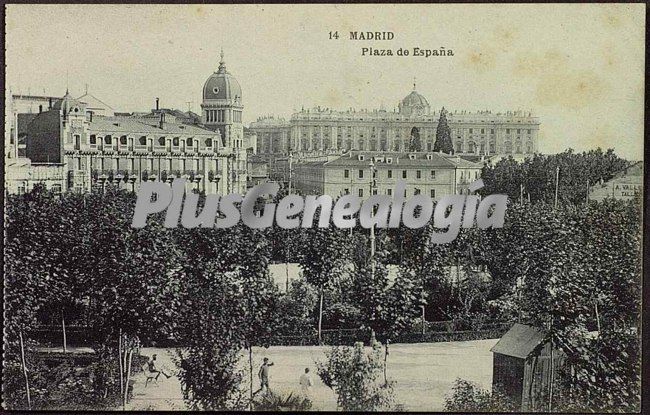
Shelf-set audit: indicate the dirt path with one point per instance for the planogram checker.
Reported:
(424, 374)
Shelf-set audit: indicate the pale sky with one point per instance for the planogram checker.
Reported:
(579, 67)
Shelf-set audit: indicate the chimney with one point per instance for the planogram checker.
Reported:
(161, 123)
(157, 103)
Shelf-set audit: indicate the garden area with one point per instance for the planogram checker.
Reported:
(87, 296)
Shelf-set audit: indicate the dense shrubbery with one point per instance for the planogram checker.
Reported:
(572, 269)
(276, 402)
(467, 397)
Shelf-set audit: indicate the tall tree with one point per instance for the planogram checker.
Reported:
(323, 257)
(415, 143)
(443, 135)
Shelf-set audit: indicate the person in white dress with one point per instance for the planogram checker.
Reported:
(306, 383)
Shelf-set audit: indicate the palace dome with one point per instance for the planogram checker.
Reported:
(414, 104)
(222, 85)
(414, 99)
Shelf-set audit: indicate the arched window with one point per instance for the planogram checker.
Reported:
(459, 146)
(471, 147)
(175, 142)
(161, 141)
(108, 140)
(507, 147)
(123, 140)
(190, 143)
(362, 145)
(142, 140)
(208, 142)
(529, 147)
(93, 139)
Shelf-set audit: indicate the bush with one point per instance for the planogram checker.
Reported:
(276, 402)
(468, 397)
(355, 376)
(62, 383)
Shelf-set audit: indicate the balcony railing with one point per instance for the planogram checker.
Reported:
(114, 175)
(149, 175)
(169, 175)
(214, 176)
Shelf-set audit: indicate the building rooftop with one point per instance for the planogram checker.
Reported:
(144, 125)
(519, 341)
(403, 159)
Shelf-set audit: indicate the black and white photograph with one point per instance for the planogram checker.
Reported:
(324, 207)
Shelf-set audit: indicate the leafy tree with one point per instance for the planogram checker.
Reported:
(536, 175)
(415, 143)
(443, 135)
(354, 375)
(323, 258)
(295, 308)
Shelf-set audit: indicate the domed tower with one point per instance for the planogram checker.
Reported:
(70, 108)
(222, 106)
(414, 104)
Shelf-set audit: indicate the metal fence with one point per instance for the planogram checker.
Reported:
(436, 331)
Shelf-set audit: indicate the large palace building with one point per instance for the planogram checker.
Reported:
(96, 146)
(323, 130)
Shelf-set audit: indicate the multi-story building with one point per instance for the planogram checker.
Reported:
(127, 149)
(428, 173)
(20, 174)
(323, 130)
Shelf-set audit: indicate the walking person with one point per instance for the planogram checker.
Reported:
(263, 374)
(306, 383)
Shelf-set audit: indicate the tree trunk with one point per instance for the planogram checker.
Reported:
(128, 376)
(65, 340)
(119, 351)
(22, 356)
(597, 316)
(320, 318)
(386, 362)
(250, 366)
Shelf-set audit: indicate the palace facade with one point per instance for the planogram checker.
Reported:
(323, 130)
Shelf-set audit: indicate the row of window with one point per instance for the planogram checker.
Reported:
(215, 115)
(145, 164)
(453, 130)
(389, 174)
(389, 192)
(142, 141)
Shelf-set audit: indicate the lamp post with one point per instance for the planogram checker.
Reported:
(290, 170)
(373, 183)
(373, 186)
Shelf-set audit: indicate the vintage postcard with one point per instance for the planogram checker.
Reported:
(323, 207)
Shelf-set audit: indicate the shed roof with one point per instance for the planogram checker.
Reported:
(519, 341)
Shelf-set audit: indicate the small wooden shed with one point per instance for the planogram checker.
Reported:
(522, 367)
